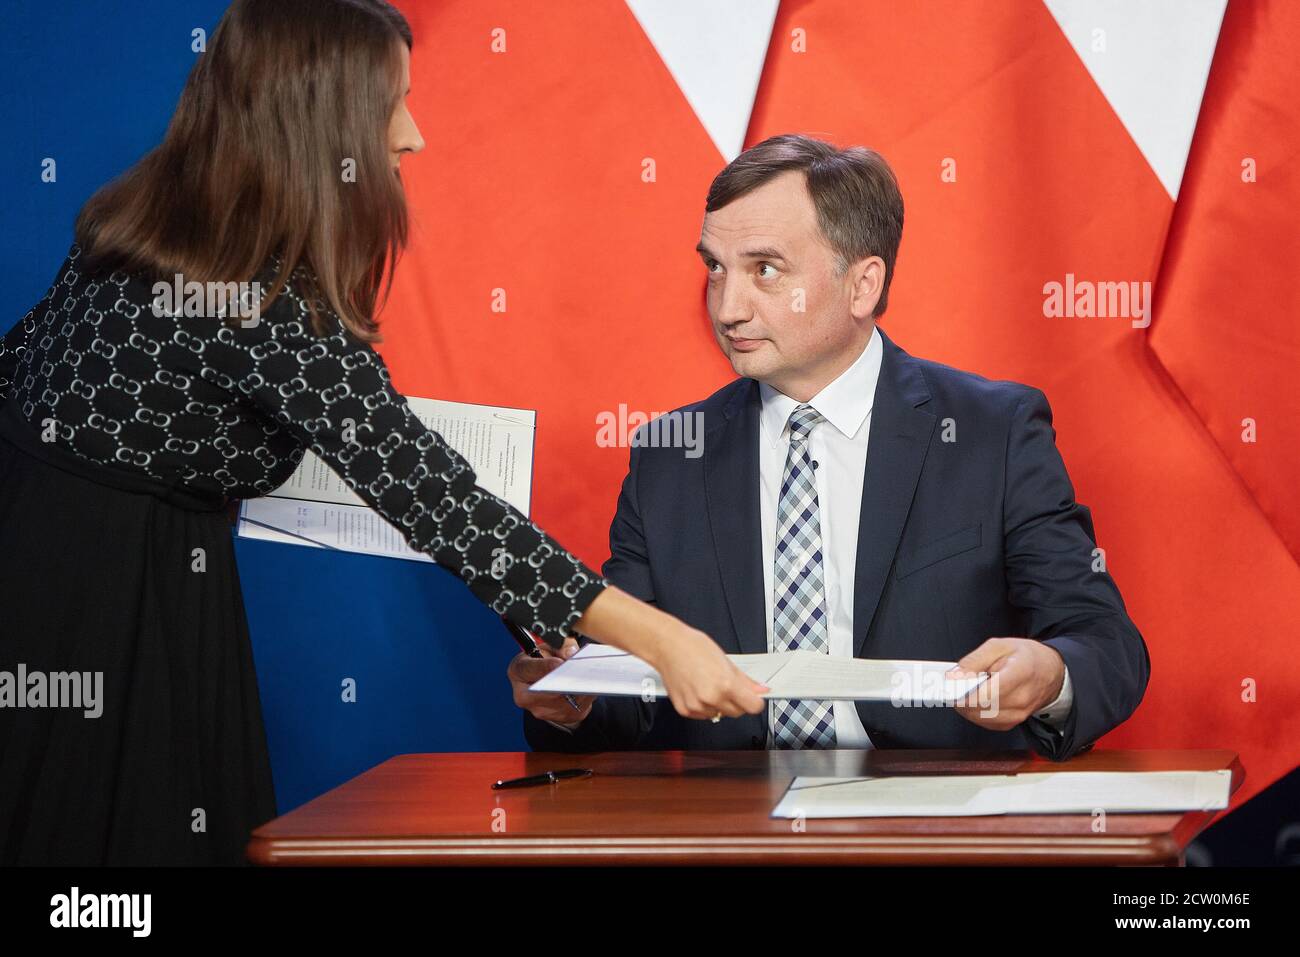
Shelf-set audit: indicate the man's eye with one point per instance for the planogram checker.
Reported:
(762, 266)
(713, 266)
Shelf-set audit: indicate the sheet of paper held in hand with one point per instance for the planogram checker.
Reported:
(961, 795)
(600, 669)
(316, 508)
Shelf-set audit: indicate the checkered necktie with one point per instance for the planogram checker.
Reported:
(799, 605)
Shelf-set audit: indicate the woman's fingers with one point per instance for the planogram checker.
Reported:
(751, 698)
(703, 682)
(732, 696)
(741, 696)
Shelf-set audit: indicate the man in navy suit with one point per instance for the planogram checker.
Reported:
(854, 500)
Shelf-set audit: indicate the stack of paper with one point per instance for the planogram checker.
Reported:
(316, 508)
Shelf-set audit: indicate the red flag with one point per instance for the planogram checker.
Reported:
(1038, 158)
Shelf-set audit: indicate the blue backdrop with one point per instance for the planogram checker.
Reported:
(93, 88)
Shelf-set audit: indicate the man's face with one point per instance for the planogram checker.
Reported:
(780, 311)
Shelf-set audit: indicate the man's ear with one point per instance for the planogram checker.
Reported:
(867, 279)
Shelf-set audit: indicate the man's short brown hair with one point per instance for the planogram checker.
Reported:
(859, 206)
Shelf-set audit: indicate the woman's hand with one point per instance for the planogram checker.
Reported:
(701, 681)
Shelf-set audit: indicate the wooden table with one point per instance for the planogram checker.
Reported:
(705, 807)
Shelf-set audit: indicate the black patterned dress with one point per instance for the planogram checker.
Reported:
(125, 437)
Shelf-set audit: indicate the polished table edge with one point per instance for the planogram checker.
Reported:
(1166, 849)
(803, 850)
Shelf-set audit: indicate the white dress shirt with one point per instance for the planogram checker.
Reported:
(838, 446)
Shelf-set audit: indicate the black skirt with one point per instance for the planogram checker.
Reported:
(160, 755)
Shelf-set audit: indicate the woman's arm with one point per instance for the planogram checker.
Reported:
(334, 394)
(701, 680)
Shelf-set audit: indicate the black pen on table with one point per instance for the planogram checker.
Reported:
(546, 777)
(529, 644)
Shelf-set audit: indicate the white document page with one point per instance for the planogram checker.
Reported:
(962, 795)
(349, 528)
(315, 507)
(789, 675)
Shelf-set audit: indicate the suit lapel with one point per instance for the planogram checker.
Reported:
(731, 493)
(896, 449)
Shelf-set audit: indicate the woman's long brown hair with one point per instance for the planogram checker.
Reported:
(289, 95)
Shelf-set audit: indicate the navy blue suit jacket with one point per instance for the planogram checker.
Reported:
(959, 541)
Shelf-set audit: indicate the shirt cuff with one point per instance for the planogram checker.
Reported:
(564, 727)
(1055, 713)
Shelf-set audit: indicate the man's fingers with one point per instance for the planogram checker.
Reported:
(978, 696)
(985, 656)
(526, 669)
(566, 650)
(554, 707)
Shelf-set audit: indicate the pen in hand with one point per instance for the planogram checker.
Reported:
(530, 647)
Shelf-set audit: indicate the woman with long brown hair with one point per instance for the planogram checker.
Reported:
(132, 421)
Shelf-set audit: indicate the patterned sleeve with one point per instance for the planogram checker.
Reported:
(333, 393)
(11, 350)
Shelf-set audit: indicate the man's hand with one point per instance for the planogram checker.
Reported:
(1028, 676)
(523, 671)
